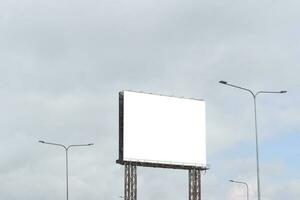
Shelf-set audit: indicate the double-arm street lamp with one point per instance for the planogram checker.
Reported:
(66, 149)
(244, 183)
(254, 95)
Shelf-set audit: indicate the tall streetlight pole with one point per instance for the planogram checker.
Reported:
(66, 149)
(244, 183)
(254, 95)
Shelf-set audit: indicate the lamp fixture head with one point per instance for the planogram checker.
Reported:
(223, 82)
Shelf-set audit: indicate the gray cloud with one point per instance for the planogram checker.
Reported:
(63, 63)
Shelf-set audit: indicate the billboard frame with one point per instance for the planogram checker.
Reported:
(153, 164)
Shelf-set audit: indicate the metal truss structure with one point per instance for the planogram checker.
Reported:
(130, 189)
(194, 184)
(130, 192)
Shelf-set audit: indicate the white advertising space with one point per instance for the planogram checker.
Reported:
(163, 129)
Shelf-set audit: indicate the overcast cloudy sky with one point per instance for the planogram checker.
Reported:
(62, 64)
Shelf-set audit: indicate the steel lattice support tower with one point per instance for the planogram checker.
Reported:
(194, 184)
(130, 192)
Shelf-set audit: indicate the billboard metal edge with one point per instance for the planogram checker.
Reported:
(160, 165)
(121, 124)
(164, 95)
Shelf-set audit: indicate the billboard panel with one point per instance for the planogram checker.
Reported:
(161, 130)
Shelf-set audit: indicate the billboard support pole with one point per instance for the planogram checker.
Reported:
(194, 184)
(130, 190)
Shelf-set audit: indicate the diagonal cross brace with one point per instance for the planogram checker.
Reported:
(194, 184)
(130, 190)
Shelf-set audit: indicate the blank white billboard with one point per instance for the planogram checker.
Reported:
(162, 129)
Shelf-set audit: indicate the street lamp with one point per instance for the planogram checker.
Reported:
(254, 95)
(66, 149)
(244, 183)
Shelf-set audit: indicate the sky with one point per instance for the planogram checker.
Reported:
(62, 64)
